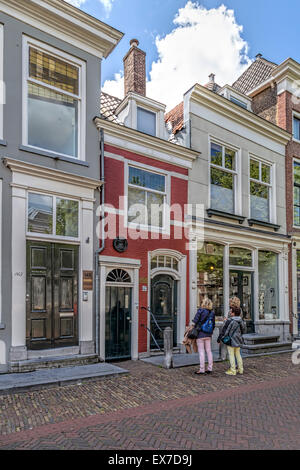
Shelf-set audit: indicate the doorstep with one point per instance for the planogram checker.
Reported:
(179, 360)
(23, 381)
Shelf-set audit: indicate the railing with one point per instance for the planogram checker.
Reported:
(156, 325)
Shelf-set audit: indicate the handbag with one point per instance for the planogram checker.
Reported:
(226, 340)
(193, 334)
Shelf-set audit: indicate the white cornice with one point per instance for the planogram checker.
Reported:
(62, 20)
(153, 147)
(288, 69)
(141, 100)
(200, 95)
(18, 166)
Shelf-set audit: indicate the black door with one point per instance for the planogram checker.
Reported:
(118, 323)
(241, 286)
(52, 291)
(164, 308)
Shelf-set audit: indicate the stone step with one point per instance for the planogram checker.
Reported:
(54, 362)
(251, 349)
(259, 339)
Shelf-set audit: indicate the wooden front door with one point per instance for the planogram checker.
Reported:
(241, 286)
(52, 295)
(164, 309)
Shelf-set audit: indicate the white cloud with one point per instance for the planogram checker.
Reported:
(203, 41)
(107, 4)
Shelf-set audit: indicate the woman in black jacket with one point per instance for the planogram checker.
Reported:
(204, 339)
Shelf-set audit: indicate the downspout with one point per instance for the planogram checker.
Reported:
(102, 246)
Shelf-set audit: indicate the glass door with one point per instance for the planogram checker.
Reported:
(241, 286)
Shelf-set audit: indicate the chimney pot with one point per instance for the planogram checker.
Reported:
(258, 56)
(134, 42)
(212, 77)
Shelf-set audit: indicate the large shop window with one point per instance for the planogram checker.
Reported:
(240, 257)
(210, 259)
(260, 190)
(146, 198)
(54, 101)
(268, 285)
(297, 194)
(222, 178)
(51, 215)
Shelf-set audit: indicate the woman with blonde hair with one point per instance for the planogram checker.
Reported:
(204, 321)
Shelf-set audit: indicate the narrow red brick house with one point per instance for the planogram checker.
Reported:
(275, 93)
(143, 254)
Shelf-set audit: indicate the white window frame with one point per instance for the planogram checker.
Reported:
(238, 102)
(53, 236)
(271, 186)
(295, 160)
(165, 229)
(2, 84)
(149, 111)
(297, 116)
(81, 98)
(237, 172)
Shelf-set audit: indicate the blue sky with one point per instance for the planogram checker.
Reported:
(270, 27)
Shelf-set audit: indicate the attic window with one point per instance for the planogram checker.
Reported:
(146, 121)
(242, 104)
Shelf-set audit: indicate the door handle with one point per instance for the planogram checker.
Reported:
(27, 297)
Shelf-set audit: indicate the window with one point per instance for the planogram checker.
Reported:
(223, 161)
(268, 285)
(2, 84)
(53, 101)
(164, 262)
(146, 121)
(297, 194)
(260, 190)
(146, 197)
(51, 215)
(296, 127)
(238, 102)
(210, 278)
(240, 257)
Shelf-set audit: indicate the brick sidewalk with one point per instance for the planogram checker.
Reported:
(157, 409)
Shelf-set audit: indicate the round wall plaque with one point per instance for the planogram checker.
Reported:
(120, 244)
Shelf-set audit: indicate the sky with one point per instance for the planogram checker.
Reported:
(186, 40)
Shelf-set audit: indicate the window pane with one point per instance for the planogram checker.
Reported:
(297, 173)
(137, 211)
(40, 213)
(259, 202)
(210, 275)
(52, 121)
(53, 71)
(146, 121)
(296, 128)
(266, 173)
(230, 159)
(222, 194)
(296, 215)
(216, 154)
(66, 218)
(254, 169)
(238, 102)
(268, 285)
(240, 257)
(154, 263)
(146, 179)
(155, 205)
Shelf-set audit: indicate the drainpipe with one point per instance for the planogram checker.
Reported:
(102, 246)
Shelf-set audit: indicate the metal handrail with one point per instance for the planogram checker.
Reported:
(153, 316)
(148, 329)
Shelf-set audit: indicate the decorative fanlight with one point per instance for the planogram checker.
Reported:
(118, 275)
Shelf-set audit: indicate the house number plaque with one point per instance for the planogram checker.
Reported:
(88, 280)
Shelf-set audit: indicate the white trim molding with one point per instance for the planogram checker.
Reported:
(65, 22)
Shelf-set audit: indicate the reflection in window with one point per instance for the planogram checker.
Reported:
(268, 285)
(240, 257)
(40, 213)
(164, 262)
(53, 103)
(66, 218)
(210, 275)
(260, 189)
(296, 128)
(222, 178)
(297, 194)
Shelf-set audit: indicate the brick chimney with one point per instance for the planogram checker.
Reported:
(135, 69)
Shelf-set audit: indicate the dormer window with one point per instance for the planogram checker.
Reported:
(146, 121)
(238, 102)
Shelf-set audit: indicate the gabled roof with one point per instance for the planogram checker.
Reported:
(175, 118)
(258, 72)
(108, 105)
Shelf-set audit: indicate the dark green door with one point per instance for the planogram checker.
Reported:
(52, 295)
(241, 286)
(164, 308)
(118, 323)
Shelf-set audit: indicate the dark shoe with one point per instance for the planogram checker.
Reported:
(209, 371)
(200, 373)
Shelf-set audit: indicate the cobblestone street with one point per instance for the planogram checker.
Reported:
(152, 408)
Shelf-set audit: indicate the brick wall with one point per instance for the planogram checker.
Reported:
(265, 104)
(135, 70)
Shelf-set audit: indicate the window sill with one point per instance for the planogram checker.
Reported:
(263, 224)
(55, 156)
(227, 215)
(3, 143)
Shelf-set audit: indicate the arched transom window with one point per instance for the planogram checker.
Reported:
(118, 275)
(164, 261)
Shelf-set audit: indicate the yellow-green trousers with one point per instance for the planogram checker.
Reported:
(235, 354)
